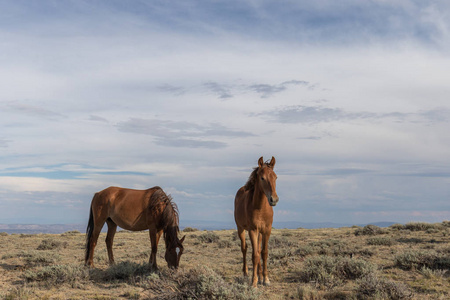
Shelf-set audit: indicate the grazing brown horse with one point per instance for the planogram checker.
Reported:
(253, 212)
(135, 210)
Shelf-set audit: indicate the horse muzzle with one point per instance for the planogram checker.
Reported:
(273, 201)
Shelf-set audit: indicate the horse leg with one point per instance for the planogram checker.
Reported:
(154, 239)
(255, 255)
(260, 273)
(92, 243)
(265, 254)
(244, 246)
(112, 227)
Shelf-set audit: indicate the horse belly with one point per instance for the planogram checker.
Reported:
(129, 216)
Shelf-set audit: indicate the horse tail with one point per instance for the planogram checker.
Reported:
(89, 230)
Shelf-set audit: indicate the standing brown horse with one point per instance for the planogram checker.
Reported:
(253, 212)
(135, 210)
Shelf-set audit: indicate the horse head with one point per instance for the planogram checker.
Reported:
(174, 252)
(267, 180)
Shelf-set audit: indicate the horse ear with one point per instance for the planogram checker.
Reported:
(261, 162)
(182, 240)
(272, 162)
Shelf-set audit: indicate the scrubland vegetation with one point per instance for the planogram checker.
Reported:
(410, 261)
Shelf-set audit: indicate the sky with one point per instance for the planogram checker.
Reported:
(351, 98)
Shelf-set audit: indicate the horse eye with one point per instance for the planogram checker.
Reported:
(263, 178)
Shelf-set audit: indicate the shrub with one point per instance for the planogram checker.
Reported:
(225, 244)
(125, 270)
(70, 233)
(3, 233)
(331, 271)
(18, 293)
(307, 293)
(198, 283)
(380, 241)
(370, 230)
(397, 226)
(371, 286)
(58, 274)
(415, 259)
(328, 247)
(277, 241)
(50, 244)
(208, 237)
(189, 229)
(25, 235)
(40, 258)
(422, 226)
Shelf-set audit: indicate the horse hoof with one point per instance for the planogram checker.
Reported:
(266, 283)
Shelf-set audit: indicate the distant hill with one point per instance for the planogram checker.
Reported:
(202, 225)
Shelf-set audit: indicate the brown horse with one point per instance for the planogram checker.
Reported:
(135, 210)
(253, 212)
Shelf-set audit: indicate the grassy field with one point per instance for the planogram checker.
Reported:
(409, 261)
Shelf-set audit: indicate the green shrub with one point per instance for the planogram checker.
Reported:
(3, 233)
(397, 226)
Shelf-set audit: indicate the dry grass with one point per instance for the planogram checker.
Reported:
(401, 262)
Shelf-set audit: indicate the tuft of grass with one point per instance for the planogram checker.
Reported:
(374, 287)
(51, 244)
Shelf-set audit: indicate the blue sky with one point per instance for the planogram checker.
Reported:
(351, 97)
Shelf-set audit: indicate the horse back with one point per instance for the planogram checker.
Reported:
(126, 207)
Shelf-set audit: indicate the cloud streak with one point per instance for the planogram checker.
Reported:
(319, 114)
(181, 134)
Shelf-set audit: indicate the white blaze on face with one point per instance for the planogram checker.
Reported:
(178, 250)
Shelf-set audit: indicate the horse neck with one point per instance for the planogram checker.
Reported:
(259, 198)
